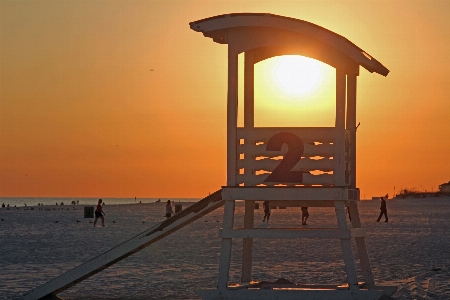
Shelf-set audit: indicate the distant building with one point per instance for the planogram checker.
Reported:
(445, 187)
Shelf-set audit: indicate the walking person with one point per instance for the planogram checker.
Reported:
(305, 215)
(99, 213)
(169, 210)
(383, 210)
(266, 205)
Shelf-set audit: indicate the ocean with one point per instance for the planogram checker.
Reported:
(34, 201)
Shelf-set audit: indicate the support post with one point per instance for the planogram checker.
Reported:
(351, 125)
(346, 246)
(225, 251)
(228, 215)
(339, 143)
(362, 248)
(353, 206)
(249, 122)
(232, 108)
(249, 91)
(247, 251)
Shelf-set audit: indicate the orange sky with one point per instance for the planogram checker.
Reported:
(83, 115)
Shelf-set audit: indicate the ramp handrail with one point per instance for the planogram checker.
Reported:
(127, 248)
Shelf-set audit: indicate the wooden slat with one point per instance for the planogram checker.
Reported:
(292, 233)
(302, 203)
(307, 134)
(331, 151)
(305, 164)
(326, 150)
(358, 232)
(250, 179)
(284, 193)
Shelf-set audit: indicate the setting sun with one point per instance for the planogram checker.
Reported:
(284, 96)
(297, 75)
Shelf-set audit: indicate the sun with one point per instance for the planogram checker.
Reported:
(297, 75)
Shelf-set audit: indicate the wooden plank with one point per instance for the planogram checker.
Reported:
(361, 247)
(247, 243)
(249, 91)
(247, 249)
(307, 203)
(358, 232)
(308, 179)
(284, 193)
(307, 134)
(232, 117)
(250, 148)
(226, 245)
(303, 203)
(346, 246)
(326, 165)
(293, 233)
(351, 126)
(339, 158)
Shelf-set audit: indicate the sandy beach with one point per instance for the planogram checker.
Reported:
(40, 243)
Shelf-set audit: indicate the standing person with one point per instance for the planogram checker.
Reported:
(266, 205)
(383, 210)
(169, 210)
(305, 215)
(99, 213)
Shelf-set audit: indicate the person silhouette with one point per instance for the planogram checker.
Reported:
(169, 210)
(266, 205)
(305, 215)
(383, 209)
(99, 213)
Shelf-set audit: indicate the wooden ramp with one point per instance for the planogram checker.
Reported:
(133, 245)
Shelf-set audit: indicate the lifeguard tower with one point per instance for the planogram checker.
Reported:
(252, 174)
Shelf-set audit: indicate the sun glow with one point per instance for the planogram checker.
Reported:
(276, 105)
(297, 75)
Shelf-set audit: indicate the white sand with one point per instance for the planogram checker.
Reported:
(411, 251)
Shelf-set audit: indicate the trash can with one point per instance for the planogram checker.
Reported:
(88, 212)
(178, 208)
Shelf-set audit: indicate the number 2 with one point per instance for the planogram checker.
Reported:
(282, 172)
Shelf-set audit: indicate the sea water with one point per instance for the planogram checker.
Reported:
(34, 201)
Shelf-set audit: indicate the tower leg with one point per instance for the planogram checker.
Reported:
(346, 246)
(247, 251)
(362, 248)
(225, 251)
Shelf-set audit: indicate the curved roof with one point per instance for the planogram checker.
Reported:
(217, 28)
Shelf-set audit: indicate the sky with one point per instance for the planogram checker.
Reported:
(122, 99)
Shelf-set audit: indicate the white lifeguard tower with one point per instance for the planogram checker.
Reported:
(289, 183)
